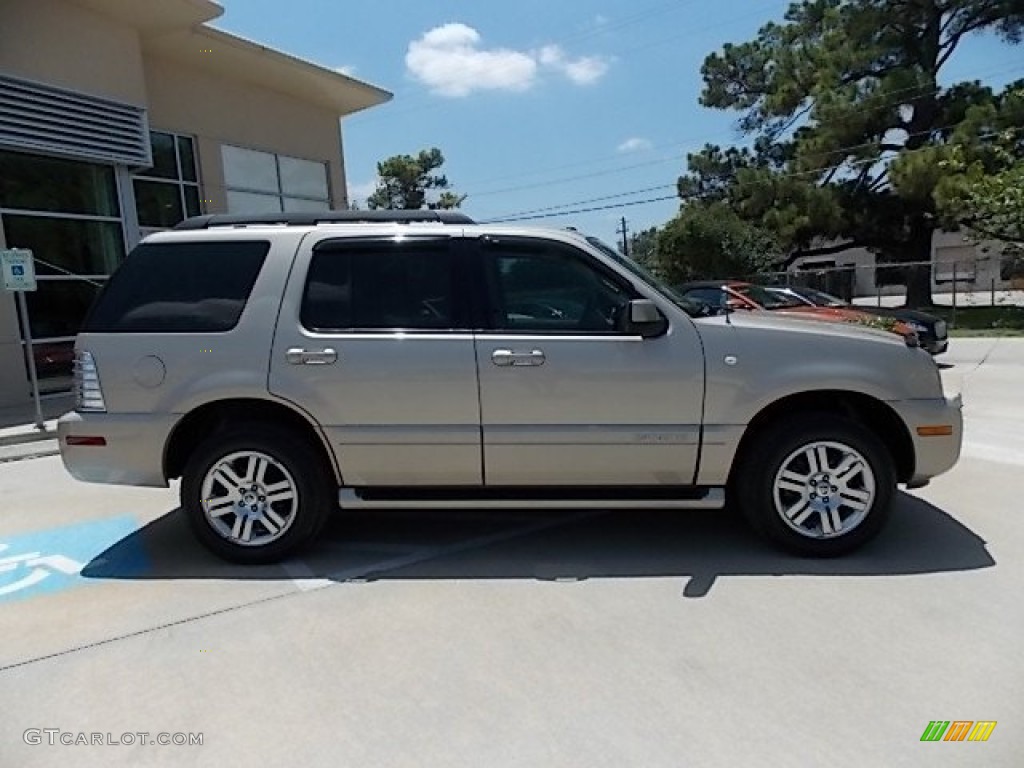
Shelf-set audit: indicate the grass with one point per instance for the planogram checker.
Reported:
(982, 321)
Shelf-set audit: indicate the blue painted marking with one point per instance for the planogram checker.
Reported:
(45, 562)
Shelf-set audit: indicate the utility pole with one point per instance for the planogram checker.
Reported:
(625, 237)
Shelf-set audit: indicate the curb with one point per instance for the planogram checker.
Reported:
(33, 436)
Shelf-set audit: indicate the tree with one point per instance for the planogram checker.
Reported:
(984, 190)
(643, 247)
(709, 240)
(404, 182)
(851, 129)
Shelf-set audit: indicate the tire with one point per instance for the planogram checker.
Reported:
(791, 509)
(280, 512)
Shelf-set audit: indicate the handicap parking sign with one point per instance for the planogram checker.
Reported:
(51, 561)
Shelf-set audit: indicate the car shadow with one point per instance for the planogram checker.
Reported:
(699, 547)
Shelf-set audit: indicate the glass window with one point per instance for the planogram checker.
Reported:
(179, 288)
(300, 205)
(158, 203)
(58, 307)
(169, 191)
(303, 178)
(165, 162)
(261, 182)
(33, 183)
(250, 170)
(381, 286)
(187, 158)
(78, 246)
(542, 286)
(252, 202)
(713, 297)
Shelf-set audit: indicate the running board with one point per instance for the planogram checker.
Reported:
(524, 498)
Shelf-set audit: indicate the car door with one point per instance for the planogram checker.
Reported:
(374, 342)
(565, 398)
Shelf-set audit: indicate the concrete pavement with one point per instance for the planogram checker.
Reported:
(528, 639)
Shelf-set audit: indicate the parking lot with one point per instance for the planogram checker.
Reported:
(524, 639)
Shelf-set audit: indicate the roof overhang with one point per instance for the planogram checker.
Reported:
(236, 58)
(156, 15)
(176, 30)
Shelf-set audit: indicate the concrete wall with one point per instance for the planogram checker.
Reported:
(219, 111)
(69, 46)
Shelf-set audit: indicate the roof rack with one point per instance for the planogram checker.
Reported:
(325, 217)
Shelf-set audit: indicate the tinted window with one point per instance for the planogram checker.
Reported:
(544, 286)
(713, 297)
(179, 287)
(408, 285)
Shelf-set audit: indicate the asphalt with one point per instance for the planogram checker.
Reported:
(529, 639)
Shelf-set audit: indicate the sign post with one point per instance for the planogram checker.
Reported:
(19, 273)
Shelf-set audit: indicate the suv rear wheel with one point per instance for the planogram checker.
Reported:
(819, 485)
(256, 494)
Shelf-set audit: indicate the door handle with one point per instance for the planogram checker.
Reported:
(508, 358)
(299, 356)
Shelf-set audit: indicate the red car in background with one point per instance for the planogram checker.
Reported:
(737, 295)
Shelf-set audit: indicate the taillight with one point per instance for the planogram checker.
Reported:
(88, 393)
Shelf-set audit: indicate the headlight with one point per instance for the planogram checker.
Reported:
(940, 329)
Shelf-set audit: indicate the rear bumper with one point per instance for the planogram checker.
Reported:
(936, 454)
(132, 453)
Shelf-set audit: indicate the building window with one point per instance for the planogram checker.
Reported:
(262, 182)
(168, 192)
(68, 213)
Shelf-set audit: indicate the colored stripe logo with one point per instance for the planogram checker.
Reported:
(958, 730)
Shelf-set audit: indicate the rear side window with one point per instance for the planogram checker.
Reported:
(179, 288)
(375, 286)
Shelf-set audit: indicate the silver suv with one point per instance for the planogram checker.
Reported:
(286, 366)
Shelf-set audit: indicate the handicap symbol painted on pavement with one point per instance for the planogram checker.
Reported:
(50, 561)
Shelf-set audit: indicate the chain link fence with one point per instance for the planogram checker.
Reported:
(960, 286)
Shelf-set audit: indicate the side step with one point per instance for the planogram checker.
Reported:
(521, 498)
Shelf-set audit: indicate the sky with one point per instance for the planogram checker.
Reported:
(541, 107)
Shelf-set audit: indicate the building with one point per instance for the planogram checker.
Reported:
(121, 117)
(955, 260)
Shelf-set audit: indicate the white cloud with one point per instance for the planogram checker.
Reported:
(347, 70)
(599, 20)
(635, 144)
(451, 61)
(585, 70)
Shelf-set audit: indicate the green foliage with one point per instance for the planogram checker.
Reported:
(643, 247)
(709, 240)
(852, 132)
(404, 181)
(983, 186)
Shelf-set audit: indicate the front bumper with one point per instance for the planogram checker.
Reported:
(132, 453)
(934, 453)
(935, 346)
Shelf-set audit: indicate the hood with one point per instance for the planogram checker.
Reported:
(812, 323)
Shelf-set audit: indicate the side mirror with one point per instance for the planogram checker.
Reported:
(643, 318)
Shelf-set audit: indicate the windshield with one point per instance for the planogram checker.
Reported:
(766, 298)
(693, 308)
(821, 298)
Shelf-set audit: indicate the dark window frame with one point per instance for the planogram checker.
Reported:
(463, 315)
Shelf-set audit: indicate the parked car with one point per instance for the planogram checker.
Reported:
(734, 294)
(288, 365)
(931, 330)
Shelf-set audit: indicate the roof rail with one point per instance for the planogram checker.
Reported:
(325, 217)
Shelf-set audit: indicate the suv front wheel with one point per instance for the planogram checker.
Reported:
(256, 494)
(819, 485)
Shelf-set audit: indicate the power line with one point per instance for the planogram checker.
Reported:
(539, 214)
(680, 145)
